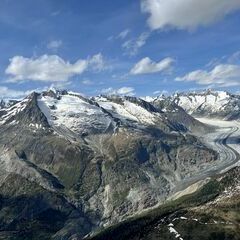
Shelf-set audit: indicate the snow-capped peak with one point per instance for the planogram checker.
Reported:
(212, 103)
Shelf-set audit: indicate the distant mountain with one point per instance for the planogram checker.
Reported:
(215, 104)
(178, 115)
(71, 164)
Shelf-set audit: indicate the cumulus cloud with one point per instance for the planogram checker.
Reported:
(50, 68)
(121, 91)
(132, 46)
(147, 66)
(222, 75)
(186, 14)
(54, 45)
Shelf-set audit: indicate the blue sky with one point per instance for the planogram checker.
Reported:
(140, 47)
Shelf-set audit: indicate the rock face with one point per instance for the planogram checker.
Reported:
(70, 164)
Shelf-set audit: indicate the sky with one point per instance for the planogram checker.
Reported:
(132, 47)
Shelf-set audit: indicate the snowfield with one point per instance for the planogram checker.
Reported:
(128, 111)
(74, 113)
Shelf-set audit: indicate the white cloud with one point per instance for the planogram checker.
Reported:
(146, 66)
(54, 45)
(50, 68)
(121, 91)
(124, 34)
(222, 75)
(186, 14)
(132, 46)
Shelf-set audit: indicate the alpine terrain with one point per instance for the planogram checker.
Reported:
(120, 167)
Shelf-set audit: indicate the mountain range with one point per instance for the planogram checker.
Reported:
(119, 167)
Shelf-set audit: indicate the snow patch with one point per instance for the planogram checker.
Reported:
(175, 232)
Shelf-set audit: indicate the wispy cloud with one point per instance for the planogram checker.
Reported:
(132, 46)
(54, 45)
(87, 82)
(56, 13)
(97, 63)
(160, 92)
(124, 34)
(232, 59)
